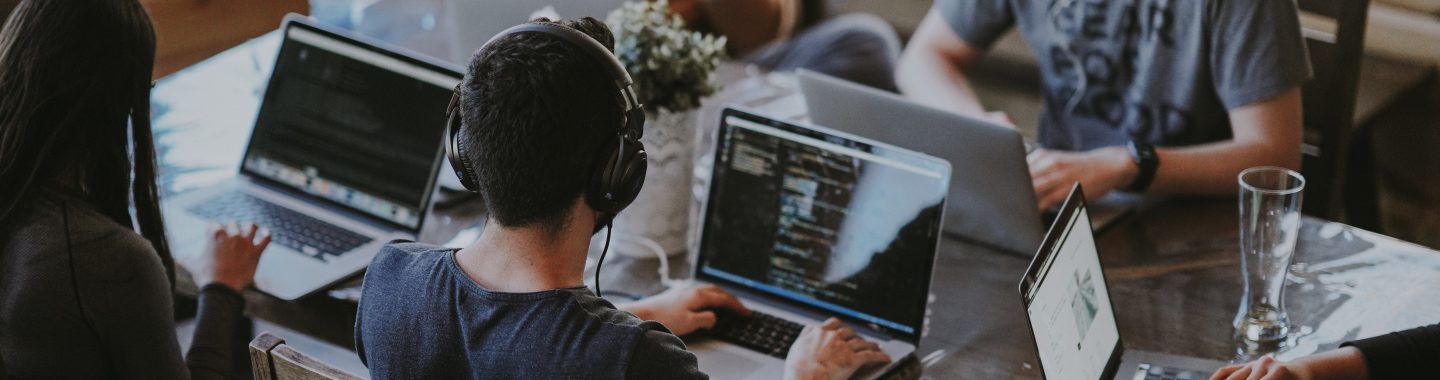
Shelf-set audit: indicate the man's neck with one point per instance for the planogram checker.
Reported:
(528, 259)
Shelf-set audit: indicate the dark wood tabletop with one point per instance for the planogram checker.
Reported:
(1173, 264)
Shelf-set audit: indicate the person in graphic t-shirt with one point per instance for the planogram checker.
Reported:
(1148, 95)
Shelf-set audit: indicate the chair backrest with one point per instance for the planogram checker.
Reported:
(1329, 98)
(272, 359)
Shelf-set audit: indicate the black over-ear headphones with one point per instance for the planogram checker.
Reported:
(616, 180)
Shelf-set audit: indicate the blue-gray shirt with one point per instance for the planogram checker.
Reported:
(1160, 71)
(422, 318)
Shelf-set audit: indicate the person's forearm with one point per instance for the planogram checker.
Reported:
(189, 31)
(1266, 133)
(927, 79)
(1211, 169)
(1342, 364)
(212, 347)
(1400, 354)
(931, 69)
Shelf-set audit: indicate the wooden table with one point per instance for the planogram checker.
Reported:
(1173, 264)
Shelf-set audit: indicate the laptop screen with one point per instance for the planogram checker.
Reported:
(1068, 302)
(838, 226)
(352, 124)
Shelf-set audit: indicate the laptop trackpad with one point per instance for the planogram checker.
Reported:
(721, 360)
(729, 364)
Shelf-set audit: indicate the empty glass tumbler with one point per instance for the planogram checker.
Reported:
(1269, 225)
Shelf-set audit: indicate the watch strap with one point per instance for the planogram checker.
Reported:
(1147, 161)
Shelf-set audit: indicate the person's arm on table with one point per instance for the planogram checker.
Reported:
(226, 268)
(1345, 363)
(685, 310)
(1266, 133)
(1407, 354)
(189, 31)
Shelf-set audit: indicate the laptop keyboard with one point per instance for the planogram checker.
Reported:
(761, 332)
(1154, 372)
(304, 234)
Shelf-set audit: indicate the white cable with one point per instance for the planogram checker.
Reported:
(659, 252)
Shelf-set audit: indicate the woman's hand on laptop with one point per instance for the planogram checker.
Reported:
(231, 255)
(830, 351)
(686, 309)
(1342, 363)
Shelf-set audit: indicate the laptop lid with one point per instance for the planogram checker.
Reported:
(347, 122)
(992, 199)
(1067, 300)
(823, 221)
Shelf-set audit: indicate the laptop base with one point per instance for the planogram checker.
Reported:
(1143, 365)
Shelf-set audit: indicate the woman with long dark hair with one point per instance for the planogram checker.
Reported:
(86, 276)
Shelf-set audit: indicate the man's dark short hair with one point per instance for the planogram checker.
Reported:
(537, 111)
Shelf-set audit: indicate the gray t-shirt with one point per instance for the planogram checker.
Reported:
(1159, 71)
(421, 317)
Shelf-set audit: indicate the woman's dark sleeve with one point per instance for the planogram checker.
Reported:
(1409, 354)
(128, 300)
(213, 349)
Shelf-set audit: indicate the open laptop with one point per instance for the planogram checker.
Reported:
(1067, 303)
(342, 159)
(992, 199)
(805, 223)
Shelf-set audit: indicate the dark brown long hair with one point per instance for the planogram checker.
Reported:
(75, 110)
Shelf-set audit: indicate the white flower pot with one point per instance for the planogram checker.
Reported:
(661, 213)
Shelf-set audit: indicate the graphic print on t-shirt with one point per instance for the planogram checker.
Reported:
(1097, 51)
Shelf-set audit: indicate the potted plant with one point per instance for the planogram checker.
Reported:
(672, 67)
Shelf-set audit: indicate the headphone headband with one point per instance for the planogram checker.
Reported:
(580, 40)
(621, 168)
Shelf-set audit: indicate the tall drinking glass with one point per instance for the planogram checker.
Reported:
(1269, 225)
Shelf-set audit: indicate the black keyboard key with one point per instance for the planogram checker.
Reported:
(300, 232)
(761, 332)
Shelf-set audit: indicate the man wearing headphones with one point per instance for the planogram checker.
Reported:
(546, 128)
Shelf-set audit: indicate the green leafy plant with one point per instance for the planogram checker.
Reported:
(672, 65)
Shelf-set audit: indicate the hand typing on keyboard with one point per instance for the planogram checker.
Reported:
(830, 351)
(684, 310)
(231, 255)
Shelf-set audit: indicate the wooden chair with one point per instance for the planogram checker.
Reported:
(272, 359)
(1329, 99)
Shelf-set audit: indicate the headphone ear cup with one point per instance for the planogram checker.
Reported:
(627, 173)
(599, 195)
(618, 181)
(454, 150)
(630, 175)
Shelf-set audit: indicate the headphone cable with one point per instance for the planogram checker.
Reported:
(608, 229)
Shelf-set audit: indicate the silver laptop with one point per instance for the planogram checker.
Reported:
(992, 199)
(805, 223)
(342, 159)
(1072, 321)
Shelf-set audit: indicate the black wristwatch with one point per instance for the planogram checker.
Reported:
(1145, 158)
